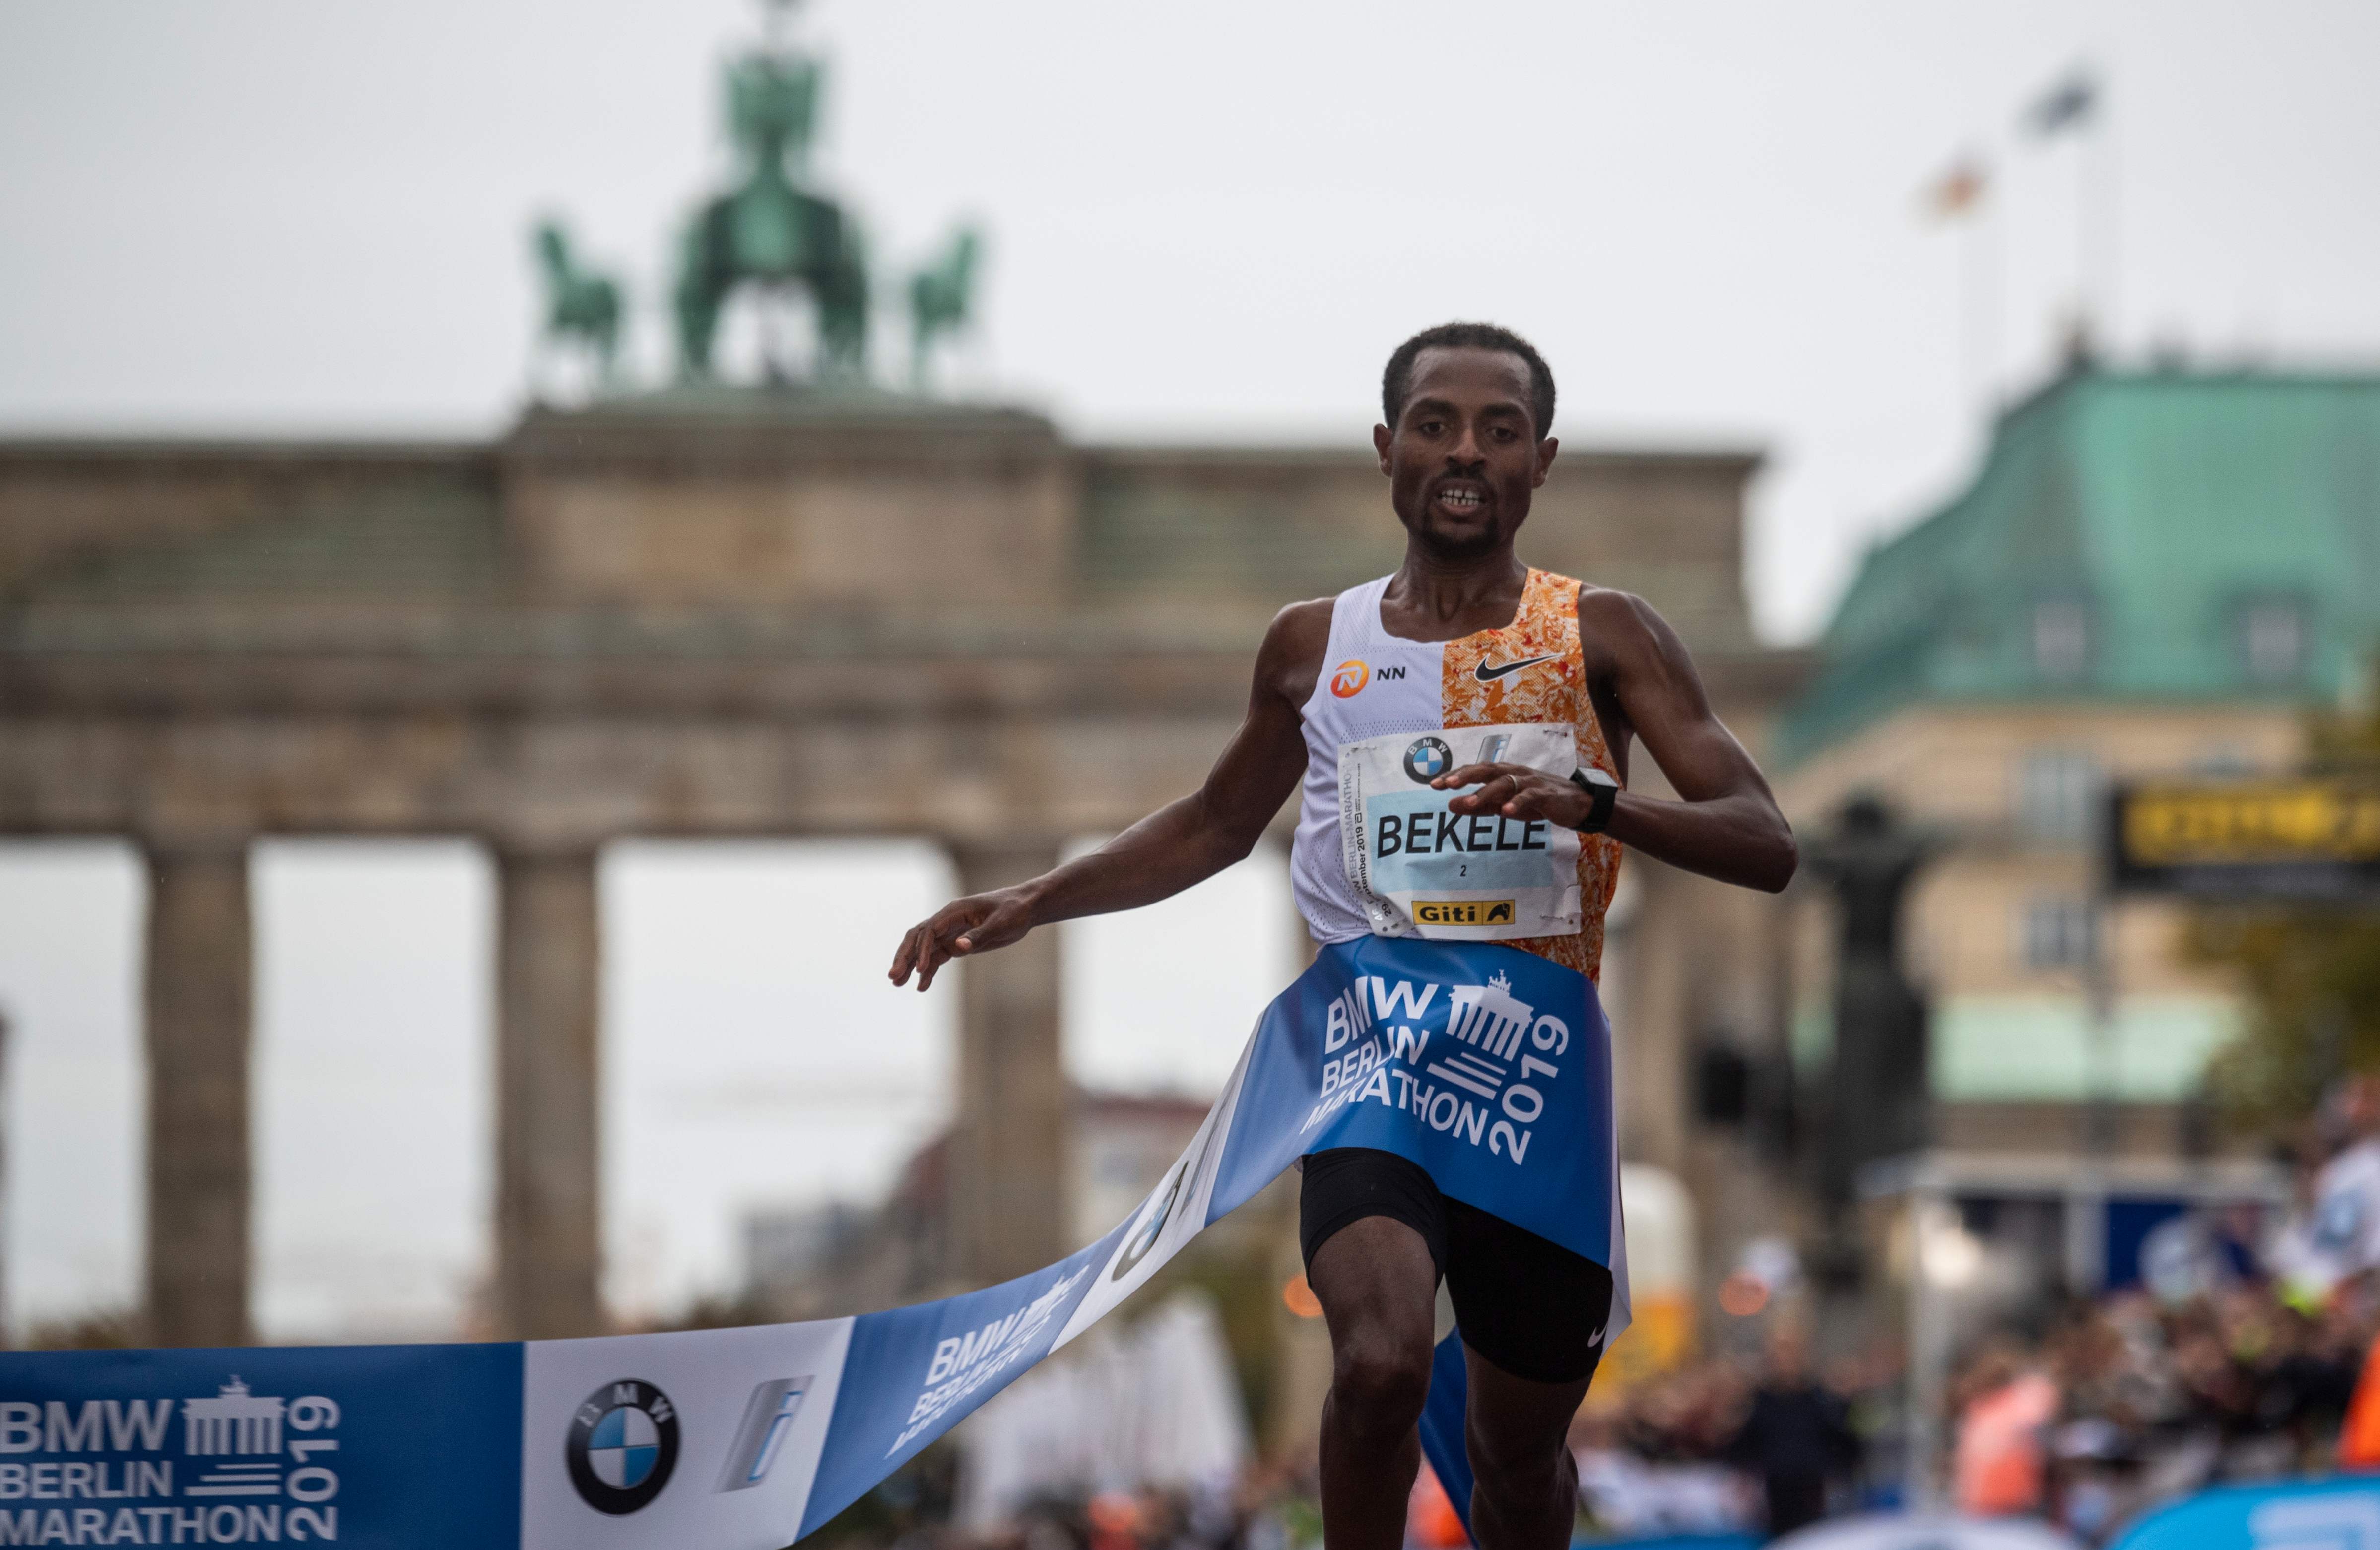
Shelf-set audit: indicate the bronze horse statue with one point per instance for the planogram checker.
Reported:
(579, 303)
(940, 299)
(770, 231)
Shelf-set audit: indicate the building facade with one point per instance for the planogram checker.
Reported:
(2150, 574)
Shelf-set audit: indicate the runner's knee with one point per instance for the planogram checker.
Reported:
(1380, 1381)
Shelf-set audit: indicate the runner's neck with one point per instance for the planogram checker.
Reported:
(1432, 599)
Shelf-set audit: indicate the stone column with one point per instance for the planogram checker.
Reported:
(1010, 1196)
(548, 1244)
(1664, 959)
(199, 1001)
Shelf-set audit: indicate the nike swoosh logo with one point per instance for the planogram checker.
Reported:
(1486, 674)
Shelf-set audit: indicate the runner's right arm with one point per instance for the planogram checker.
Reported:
(1183, 842)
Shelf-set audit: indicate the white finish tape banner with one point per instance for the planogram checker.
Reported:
(1488, 1066)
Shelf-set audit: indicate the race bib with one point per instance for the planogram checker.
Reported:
(1422, 869)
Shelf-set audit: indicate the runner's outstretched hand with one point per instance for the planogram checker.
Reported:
(976, 924)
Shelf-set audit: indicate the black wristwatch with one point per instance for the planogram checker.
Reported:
(1602, 791)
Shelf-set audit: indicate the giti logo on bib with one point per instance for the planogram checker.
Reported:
(1465, 912)
(1422, 869)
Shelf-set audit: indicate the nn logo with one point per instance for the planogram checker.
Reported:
(1462, 911)
(1347, 679)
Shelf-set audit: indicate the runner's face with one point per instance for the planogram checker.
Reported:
(1463, 457)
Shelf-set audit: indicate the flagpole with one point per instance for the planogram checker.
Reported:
(2072, 106)
(1954, 196)
(1980, 254)
(2096, 230)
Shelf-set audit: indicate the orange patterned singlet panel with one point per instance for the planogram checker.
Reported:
(1547, 625)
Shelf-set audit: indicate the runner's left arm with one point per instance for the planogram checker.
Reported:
(1183, 842)
(1725, 823)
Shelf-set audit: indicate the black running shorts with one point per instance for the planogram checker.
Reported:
(1525, 1303)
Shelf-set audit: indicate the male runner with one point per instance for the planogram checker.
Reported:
(1487, 641)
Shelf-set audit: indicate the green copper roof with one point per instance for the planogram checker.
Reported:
(2158, 536)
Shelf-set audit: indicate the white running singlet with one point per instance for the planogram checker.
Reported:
(1379, 852)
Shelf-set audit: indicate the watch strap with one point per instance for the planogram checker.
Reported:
(1602, 795)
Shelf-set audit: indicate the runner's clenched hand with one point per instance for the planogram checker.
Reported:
(976, 924)
(1516, 791)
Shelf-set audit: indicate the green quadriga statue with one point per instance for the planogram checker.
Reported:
(768, 229)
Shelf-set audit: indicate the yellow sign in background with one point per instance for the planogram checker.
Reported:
(2214, 826)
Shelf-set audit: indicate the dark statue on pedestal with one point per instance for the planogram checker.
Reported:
(1875, 1101)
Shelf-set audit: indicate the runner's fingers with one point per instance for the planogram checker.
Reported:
(939, 951)
(1540, 798)
(926, 945)
(1471, 774)
(912, 956)
(1498, 790)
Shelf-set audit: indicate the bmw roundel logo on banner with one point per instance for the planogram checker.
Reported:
(622, 1446)
(1428, 759)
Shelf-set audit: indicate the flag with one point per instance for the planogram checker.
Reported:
(1958, 190)
(2071, 101)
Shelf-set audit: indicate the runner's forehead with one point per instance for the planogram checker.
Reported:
(1470, 372)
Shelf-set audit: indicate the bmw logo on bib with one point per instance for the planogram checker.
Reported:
(622, 1446)
(1428, 759)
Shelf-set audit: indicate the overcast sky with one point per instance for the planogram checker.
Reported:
(1205, 221)
(1209, 220)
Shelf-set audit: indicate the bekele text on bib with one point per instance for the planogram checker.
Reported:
(1423, 869)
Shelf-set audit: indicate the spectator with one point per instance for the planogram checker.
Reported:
(1795, 1437)
(1999, 1456)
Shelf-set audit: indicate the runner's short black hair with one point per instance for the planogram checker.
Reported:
(1396, 383)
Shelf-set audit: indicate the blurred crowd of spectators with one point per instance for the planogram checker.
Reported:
(2131, 1401)
(2125, 1402)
